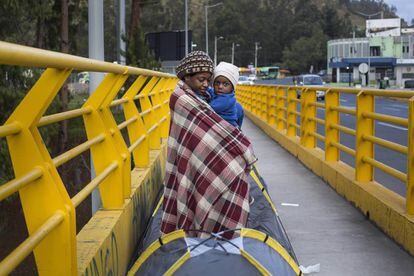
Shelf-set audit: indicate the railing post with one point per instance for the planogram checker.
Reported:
(331, 117)
(364, 148)
(103, 154)
(271, 105)
(280, 105)
(307, 125)
(45, 197)
(136, 130)
(290, 115)
(410, 159)
(150, 119)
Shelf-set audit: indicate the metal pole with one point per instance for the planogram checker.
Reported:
(96, 51)
(186, 27)
(120, 32)
(215, 51)
(206, 9)
(232, 53)
(256, 47)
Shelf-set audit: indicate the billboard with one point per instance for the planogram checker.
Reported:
(168, 45)
(383, 27)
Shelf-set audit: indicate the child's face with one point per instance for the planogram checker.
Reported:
(222, 85)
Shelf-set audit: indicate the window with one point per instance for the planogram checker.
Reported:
(375, 51)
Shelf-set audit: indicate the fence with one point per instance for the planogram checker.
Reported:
(278, 107)
(49, 211)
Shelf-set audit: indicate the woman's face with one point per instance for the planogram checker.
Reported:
(198, 82)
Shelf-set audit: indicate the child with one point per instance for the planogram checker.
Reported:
(223, 100)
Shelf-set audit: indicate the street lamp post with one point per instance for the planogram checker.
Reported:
(232, 51)
(206, 12)
(256, 48)
(215, 48)
(186, 27)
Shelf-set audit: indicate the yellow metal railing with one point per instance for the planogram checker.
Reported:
(49, 211)
(277, 106)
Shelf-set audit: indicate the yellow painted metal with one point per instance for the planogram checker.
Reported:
(150, 120)
(290, 116)
(331, 117)
(387, 144)
(308, 110)
(280, 113)
(9, 129)
(410, 159)
(100, 121)
(14, 54)
(124, 124)
(47, 195)
(136, 130)
(72, 153)
(26, 247)
(343, 148)
(387, 169)
(178, 264)
(386, 118)
(271, 105)
(54, 118)
(15, 185)
(364, 148)
(343, 129)
(88, 189)
(341, 109)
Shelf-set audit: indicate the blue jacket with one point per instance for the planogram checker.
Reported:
(227, 107)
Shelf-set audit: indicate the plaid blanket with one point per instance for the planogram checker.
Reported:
(207, 165)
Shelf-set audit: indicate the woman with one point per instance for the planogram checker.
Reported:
(207, 162)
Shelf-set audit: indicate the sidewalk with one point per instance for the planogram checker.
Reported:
(324, 228)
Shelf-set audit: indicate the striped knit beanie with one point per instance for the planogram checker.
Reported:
(194, 62)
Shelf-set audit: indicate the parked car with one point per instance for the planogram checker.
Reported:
(244, 80)
(310, 80)
(252, 77)
(409, 84)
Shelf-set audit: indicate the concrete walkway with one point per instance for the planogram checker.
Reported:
(324, 228)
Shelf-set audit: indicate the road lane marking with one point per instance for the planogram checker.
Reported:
(389, 125)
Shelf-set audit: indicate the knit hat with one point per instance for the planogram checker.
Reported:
(227, 70)
(194, 62)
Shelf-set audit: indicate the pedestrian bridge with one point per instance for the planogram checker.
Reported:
(336, 213)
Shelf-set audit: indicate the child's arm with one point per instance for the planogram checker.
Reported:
(222, 103)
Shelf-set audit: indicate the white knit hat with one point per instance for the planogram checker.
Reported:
(227, 70)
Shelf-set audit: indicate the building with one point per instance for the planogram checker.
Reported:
(387, 50)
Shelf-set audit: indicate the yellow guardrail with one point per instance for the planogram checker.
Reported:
(49, 211)
(277, 106)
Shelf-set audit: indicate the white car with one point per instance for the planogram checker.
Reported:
(252, 77)
(244, 80)
(310, 80)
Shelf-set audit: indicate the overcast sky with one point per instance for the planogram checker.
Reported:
(405, 8)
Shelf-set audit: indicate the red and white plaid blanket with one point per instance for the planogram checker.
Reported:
(206, 173)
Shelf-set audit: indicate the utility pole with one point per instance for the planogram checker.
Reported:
(120, 32)
(256, 48)
(215, 49)
(232, 51)
(186, 27)
(96, 51)
(206, 13)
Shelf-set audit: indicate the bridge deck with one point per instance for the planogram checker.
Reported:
(324, 228)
